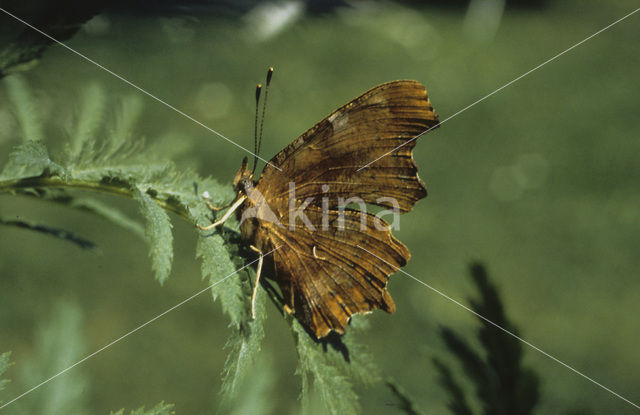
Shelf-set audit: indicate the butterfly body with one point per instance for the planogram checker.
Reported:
(326, 258)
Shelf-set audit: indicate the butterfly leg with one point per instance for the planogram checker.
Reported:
(255, 286)
(224, 217)
(207, 201)
(214, 207)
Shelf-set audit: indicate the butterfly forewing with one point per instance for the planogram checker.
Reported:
(328, 273)
(331, 152)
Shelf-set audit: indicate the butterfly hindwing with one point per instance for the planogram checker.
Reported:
(327, 275)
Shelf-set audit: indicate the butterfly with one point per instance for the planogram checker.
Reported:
(327, 263)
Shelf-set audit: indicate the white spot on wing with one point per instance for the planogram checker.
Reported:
(339, 120)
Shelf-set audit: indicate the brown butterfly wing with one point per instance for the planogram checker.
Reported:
(328, 274)
(331, 152)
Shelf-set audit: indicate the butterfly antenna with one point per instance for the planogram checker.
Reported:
(255, 129)
(264, 105)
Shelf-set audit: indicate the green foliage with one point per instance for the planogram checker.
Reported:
(457, 399)
(217, 263)
(107, 212)
(330, 380)
(246, 334)
(5, 363)
(255, 394)
(125, 120)
(502, 384)
(106, 159)
(160, 409)
(103, 159)
(244, 346)
(405, 403)
(158, 233)
(580, 411)
(90, 118)
(59, 344)
(56, 233)
(24, 108)
(361, 366)
(26, 46)
(31, 159)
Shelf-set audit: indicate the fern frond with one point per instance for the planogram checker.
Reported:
(405, 403)
(244, 344)
(59, 344)
(580, 411)
(256, 393)
(173, 145)
(246, 337)
(361, 365)
(457, 398)
(95, 140)
(158, 234)
(329, 382)
(130, 110)
(31, 159)
(5, 363)
(22, 50)
(473, 365)
(114, 164)
(518, 385)
(55, 232)
(24, 107)
(107, 212)
(89, 120)
(217, 263)
(502, 383)
(157, 187)
(160, 409)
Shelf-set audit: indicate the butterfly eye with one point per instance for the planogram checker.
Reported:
(247, 184)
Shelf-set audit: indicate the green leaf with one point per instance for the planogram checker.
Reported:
(129, 113)
(109, 213)
(256, 395)
(24, 108)
(457, 397)
(217, 264)
(331, 383)
(235, 293)
(4, 365)
(55, 232)
(158, 234)
(160, 409)
(361, 365)
(473, 365)
(405, 403)
(59, 344)
(31, 159)
(22, 49)
(90, 118)
(245, 344)
(502, 384)
(515, 389)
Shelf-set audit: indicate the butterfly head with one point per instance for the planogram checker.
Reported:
(243, 179)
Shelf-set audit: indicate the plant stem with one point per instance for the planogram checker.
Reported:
(115, 188)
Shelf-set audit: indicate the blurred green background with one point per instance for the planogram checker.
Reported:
(539, 181)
